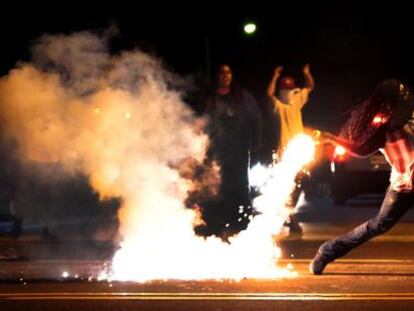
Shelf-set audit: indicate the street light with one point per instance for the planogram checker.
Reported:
(249, 28)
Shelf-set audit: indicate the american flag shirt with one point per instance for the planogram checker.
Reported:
(399, 152)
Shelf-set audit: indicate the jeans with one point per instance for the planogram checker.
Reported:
(394, 206)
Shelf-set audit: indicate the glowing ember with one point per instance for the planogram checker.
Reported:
(379, 119)
(168, 249)
(340, 151)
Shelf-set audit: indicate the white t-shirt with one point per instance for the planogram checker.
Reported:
(288, 108)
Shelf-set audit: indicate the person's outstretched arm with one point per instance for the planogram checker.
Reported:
(309, 81)
(271, 88)
(303, 95)
(369, 147)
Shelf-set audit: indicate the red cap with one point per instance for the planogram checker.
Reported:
(287, 83)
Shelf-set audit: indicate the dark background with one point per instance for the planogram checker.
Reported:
(350, 46)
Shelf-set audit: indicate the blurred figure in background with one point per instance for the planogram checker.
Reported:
(235, 130)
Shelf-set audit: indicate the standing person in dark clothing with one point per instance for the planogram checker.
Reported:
(8, 185)
(384, 121)
(235, 131)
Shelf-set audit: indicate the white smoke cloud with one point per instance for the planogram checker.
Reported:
(118, 120)
(114, 118)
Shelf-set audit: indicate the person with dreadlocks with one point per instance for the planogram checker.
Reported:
(383, 121)
(235, 133)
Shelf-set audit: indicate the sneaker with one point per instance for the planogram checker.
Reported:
(317, 264)
(47, 235)
(9, 254)
(293, 225)
(16, 230)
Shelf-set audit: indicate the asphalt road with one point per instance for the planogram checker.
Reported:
(349, 284)
(377, 276)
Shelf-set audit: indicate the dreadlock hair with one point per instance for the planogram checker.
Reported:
(392, 101)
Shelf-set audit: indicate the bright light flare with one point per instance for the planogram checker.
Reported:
(250, 28)
(165, 247)
(379, 119)
(340, 151)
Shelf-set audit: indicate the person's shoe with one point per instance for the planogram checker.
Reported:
(16, 230)
(318, 264)
(47, 235)
(9, 254)
(293, 225)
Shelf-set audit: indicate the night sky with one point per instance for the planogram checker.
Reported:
(351, 47)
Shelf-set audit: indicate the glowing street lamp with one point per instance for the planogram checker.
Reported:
(249, 28)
